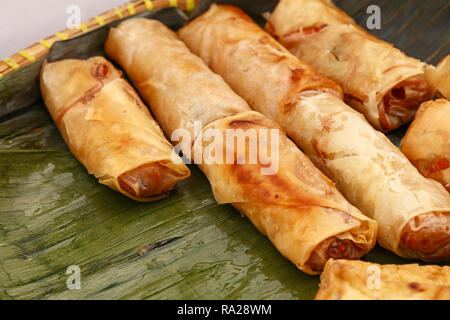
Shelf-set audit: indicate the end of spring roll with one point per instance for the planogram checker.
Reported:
(360, 280)
(439, 78)
(378, 80)
(427, 142)
(108, 128)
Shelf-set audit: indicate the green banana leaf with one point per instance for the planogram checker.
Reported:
(53, 214)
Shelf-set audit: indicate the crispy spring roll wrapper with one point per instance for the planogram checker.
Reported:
(427, 142)
(412, 211)
(439, 77)
(378, 80)
(108, 128)
(359, 280)
(298, 208)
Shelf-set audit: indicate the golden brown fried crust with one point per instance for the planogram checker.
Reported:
(386, 90)
(427, 237)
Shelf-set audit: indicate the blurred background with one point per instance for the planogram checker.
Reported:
(23, 23)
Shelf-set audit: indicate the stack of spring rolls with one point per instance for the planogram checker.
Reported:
(282, 192)
(295, 206)
(378, 80)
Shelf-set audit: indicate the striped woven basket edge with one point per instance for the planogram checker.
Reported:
(39, 49)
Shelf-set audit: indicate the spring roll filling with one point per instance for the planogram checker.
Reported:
(400, 103)
(428, 237)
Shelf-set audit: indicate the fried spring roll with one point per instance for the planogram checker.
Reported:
(378, 80)
(108, 128)
(427, 142)
(413, 212)
(296, 207)
(359, 280)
